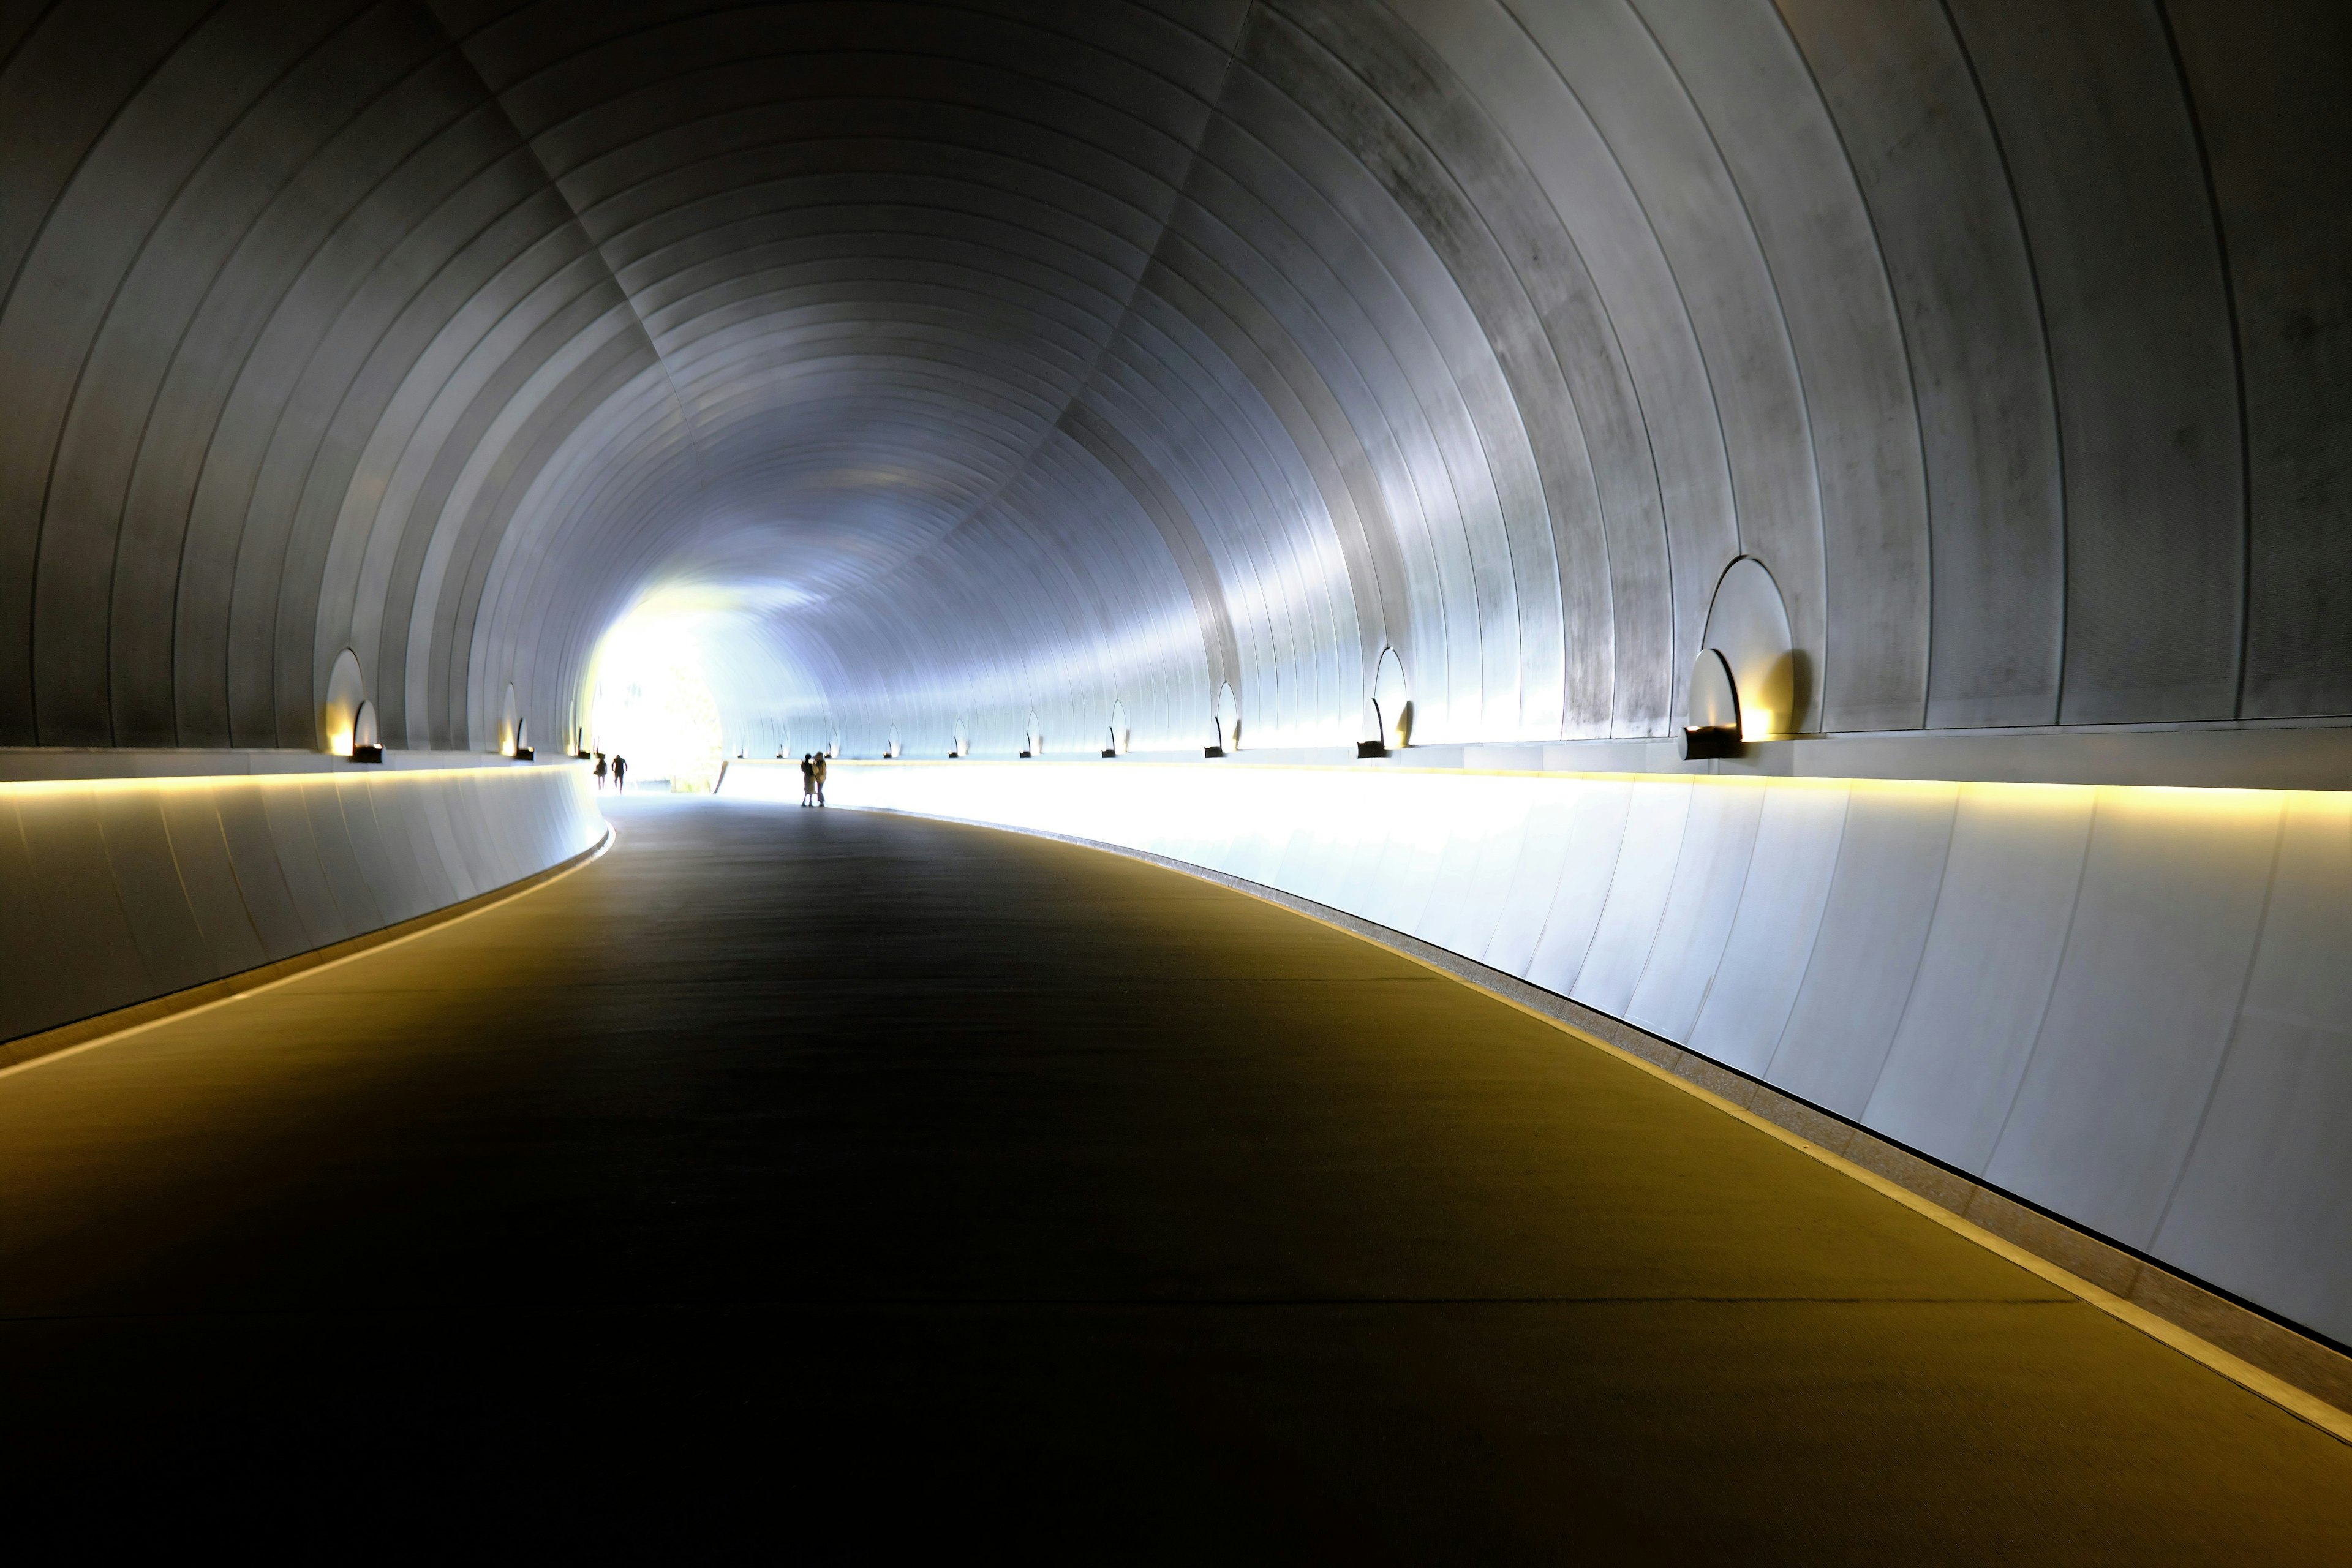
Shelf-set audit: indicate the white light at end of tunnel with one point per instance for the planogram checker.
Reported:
(653, 703)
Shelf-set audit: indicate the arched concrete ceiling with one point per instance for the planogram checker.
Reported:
(982, 358)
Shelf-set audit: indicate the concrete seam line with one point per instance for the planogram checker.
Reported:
(2296, 1402)
(421, 925)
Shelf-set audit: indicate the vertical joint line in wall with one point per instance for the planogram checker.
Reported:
(1927, 936)
(1820, 695)
(89, 347)
(1677, 670)
(1910, 375)
(1813, 948)
(2074, 911)
(2237, 1017)
(2049, 354)
(1617, 661)
(2237, 355)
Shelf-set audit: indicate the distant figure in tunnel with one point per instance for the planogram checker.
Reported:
(808, 777)
(599, 769)
(620, 773)
(820, 778)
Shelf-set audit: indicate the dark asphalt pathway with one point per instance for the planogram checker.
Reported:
(843, 1182)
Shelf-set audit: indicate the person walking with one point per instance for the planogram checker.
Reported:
(808, 776)
(620, 773)
(599, 769)
(820, 778)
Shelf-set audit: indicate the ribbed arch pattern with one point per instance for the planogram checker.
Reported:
(976, 359)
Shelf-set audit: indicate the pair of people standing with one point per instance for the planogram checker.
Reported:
(620, 771)
(813, 778)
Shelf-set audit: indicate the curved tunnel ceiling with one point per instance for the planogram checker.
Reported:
(970, 361)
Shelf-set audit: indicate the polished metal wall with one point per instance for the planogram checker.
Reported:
(982, 359)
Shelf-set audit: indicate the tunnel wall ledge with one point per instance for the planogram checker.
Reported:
(136, 877)
(2222, 755)
(2127, 1008)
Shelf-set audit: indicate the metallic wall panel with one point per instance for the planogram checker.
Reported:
(1094, 353)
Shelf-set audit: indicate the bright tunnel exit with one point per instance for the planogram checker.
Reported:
(653, 703)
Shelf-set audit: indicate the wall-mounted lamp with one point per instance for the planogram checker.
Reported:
(348, 718)
(367, 745)
(1714, 727)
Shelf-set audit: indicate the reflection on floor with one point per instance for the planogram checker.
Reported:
(836, 1180)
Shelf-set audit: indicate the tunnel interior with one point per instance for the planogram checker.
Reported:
(1800, 548)
(941, 364)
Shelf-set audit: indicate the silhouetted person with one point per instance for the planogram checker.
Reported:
(599, 769)
(808, 777)
(820, 778)
(620, 773)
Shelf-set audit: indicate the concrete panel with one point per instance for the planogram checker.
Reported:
(192, 816)
(408, 843)
(1487, 841)
(477, 847)
(2275, 122)
(461, 877)
(2263, 1200)
(147, 882)
(1866, 953)
(98, 958)
(379, 871)
(1929, 164)
(2001, 920)
(1719, 848)
(261, 878)
(1414, 852)
(1754, 987)
(304, 864)
(2172, 904)
(1642, 874)
(1595, 825)
(2104, 156)
(1549, 841)
(39, 992)
(346, 876)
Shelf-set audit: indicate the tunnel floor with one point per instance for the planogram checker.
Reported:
(835, 1180)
